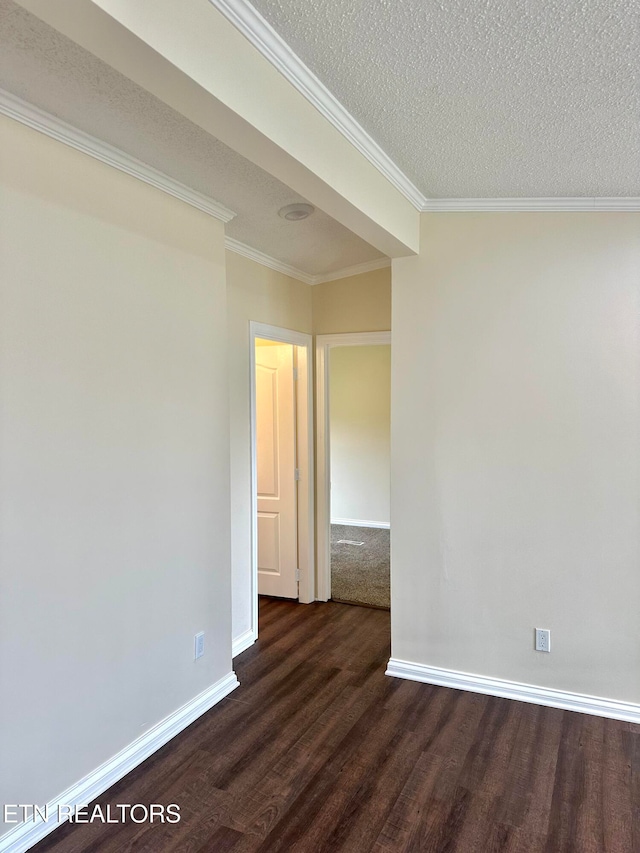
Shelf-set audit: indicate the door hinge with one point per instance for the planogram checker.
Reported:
(297, 474)
(297, 574)
(295, 374)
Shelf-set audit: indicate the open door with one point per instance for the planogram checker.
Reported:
(276, 469)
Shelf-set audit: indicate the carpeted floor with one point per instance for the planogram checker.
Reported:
(360, 573)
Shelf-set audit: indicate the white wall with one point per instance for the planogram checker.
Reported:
(515, 449)
(254, 293)
(359, 303)
(114, 497)
(360, 415)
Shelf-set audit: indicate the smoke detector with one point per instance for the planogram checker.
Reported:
(296, 212)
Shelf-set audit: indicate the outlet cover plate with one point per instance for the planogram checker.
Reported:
(543, 640)
(198, 645)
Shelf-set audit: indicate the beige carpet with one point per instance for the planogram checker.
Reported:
(360, 573)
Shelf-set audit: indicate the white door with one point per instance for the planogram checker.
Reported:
(276, 458)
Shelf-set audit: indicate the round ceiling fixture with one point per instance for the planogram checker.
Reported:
(296, 212)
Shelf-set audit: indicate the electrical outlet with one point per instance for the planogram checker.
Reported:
(199, 645)
(543, 640)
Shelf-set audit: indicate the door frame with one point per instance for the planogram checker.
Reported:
(304, 434)
(324, 343)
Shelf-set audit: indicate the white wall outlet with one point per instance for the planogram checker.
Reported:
(199, 645)
(543, 640)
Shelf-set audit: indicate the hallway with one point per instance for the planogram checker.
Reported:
(319, 751)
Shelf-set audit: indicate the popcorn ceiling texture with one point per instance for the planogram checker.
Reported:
(484, 98)
(49, 70)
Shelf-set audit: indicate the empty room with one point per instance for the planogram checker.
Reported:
(358, 438)
(319, 421)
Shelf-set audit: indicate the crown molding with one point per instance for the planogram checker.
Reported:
(279, 266)
(32, 116)
(357, 269)
(274, 48)
(44, 122)
(266, 260)
(530, 204)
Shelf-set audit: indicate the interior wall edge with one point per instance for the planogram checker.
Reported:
(243, 642)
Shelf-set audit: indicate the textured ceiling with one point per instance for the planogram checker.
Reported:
(484, 98)
(45, 68)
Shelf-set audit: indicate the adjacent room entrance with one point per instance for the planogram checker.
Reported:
(354, 413)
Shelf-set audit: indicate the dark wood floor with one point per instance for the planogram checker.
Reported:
(319, 751)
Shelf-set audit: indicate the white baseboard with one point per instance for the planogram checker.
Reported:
(25, 835)
(595, 705)
(356, 522)
(243, 642)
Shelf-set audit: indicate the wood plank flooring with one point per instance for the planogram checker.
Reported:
(318, 750)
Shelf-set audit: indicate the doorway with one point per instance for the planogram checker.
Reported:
(282, 482)
(353, 402)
